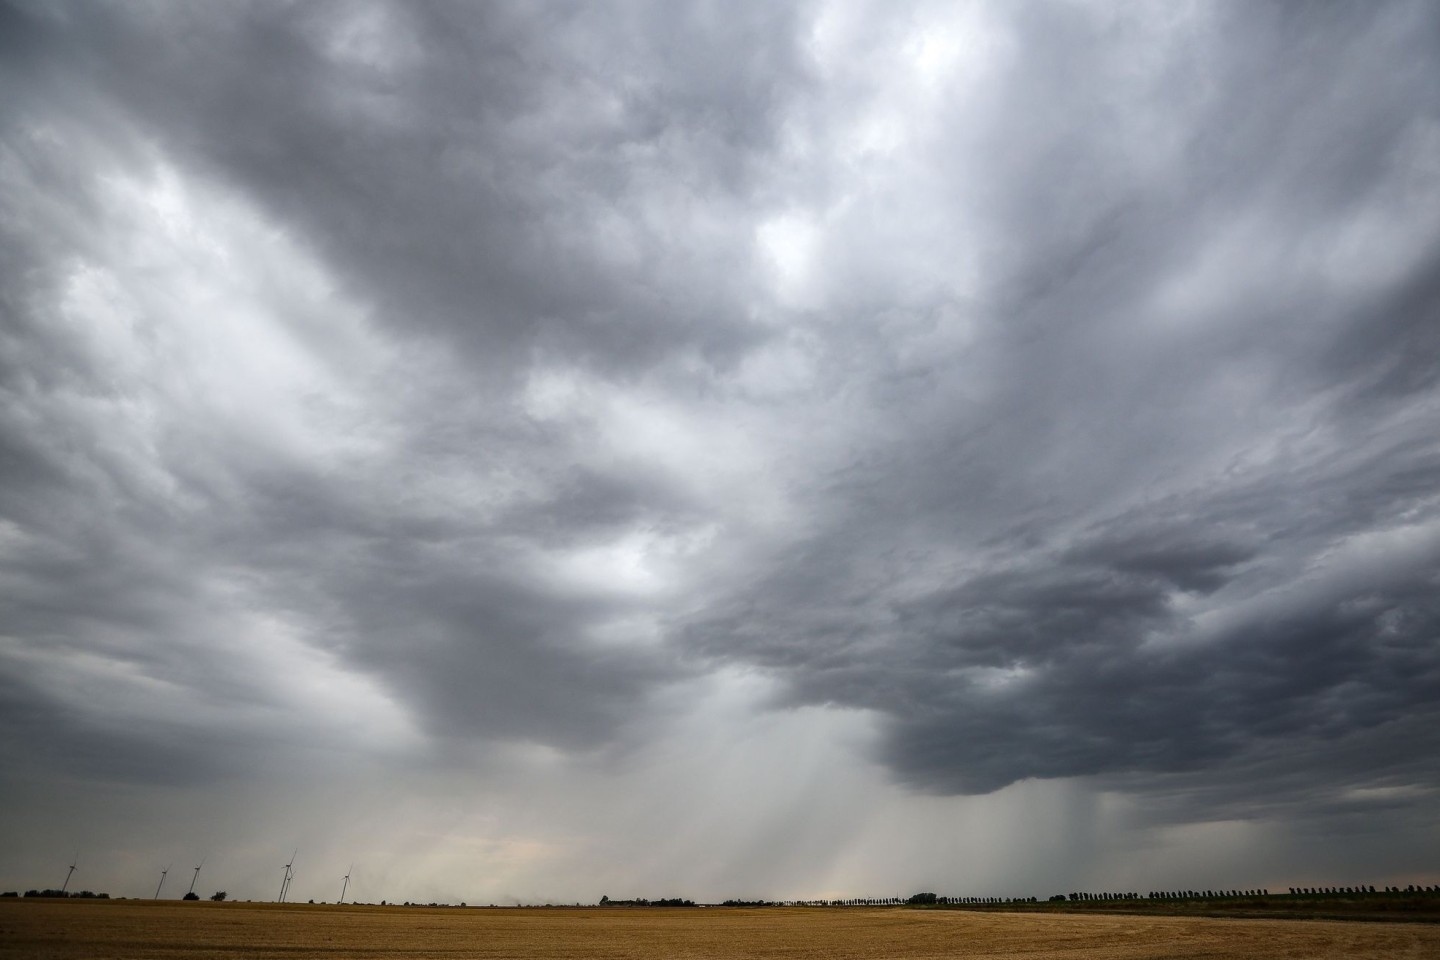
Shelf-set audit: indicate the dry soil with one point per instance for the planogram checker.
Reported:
(41, 930)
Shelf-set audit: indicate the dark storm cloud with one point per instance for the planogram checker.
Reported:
(1145, 520)
(127, 574)
(1093, 438)
(508, 178)
(1098, 700)
(1093, 659)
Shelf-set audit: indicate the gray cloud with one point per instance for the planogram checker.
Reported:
(1052, 387)
(1118, 477)
(562, 152)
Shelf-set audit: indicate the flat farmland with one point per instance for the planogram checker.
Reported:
(96, 930)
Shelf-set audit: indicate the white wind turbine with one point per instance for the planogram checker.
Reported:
(197, 875)
(285, 883)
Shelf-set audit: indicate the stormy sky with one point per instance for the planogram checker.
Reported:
(535, 451)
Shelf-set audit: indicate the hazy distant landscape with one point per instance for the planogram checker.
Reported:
(1389, 904)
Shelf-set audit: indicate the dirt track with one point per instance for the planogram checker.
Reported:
(38, 930)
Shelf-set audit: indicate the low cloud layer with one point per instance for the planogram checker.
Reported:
(1021, 398)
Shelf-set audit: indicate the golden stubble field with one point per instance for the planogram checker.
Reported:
(92, 930)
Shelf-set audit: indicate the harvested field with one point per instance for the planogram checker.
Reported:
(200, 931)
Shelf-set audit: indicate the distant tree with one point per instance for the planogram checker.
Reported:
(192, 895)
(218, 895)
(922, 899)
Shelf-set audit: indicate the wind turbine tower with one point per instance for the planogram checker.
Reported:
(73, 863)
(346, 885)
(285, 883)
(196, 876)
(162, 882)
